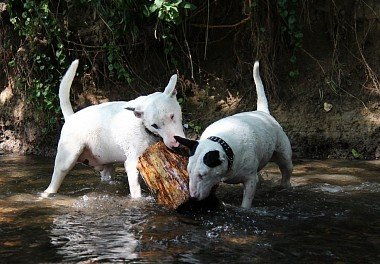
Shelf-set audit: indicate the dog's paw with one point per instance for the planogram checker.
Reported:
(47, 194)
(286, 185)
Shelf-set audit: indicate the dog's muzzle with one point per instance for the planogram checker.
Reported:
(181, 150)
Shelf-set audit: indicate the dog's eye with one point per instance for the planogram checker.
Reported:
(155, 126)
(172, 116)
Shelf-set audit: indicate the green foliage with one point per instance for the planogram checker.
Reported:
(181, 101)
(171, 13)
(45, 36)
(168, 11)
(122, 18)
(46, 58)
(115, 63)
(196, 127)
(292, 28)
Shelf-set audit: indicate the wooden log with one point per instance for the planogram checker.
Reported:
(165, 173)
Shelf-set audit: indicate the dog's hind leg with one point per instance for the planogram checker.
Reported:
(106, 172)
(286, 168)
(283, 158)
(67, 155)
(133, 177)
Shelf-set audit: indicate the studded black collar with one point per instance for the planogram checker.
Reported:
(226, 148)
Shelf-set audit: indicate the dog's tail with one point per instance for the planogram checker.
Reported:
(262, 102)
(64, 90)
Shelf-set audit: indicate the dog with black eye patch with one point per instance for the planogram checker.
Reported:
(234, 149)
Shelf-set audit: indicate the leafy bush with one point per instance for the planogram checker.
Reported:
(46, 34)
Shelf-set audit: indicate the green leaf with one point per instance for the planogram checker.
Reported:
(161, 15)
(176, 3)
(298, 35)
(291, 20)
(158, 3)
(146, 11)
(356, 154)
(190, 6)
(12, 63)
(294, 74)
(153, 8)
(45, 8)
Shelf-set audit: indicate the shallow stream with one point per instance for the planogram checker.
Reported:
(330, 215)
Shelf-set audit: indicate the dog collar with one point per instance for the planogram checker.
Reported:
(226, 148)
(151, 133)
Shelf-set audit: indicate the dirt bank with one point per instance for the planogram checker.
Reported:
(324, 91)
(348, 130)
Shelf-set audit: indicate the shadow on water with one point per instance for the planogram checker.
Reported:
(331, 215)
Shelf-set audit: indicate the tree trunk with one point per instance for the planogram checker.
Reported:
(165, 173)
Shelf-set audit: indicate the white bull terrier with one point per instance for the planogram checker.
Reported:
(234, 149)
(112, 132)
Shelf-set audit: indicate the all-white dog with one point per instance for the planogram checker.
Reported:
(234, 149)
(112, 132)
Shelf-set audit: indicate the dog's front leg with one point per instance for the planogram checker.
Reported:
(249, 191)
(133, 177)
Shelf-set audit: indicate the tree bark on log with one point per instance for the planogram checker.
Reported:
(165, 173)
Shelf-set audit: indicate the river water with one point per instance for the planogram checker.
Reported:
(330, 215)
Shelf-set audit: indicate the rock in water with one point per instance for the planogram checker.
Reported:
(165, 173)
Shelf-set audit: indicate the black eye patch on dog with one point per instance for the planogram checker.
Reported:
(212, 159)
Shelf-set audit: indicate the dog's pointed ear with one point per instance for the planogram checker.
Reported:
(191, 144)
(137, 113)
(212, 158)
(170, 88)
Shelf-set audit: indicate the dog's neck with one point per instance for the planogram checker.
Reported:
(227, 149)
(151, 133)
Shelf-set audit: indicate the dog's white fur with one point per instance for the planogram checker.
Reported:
(103, 134)
(255, 138)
